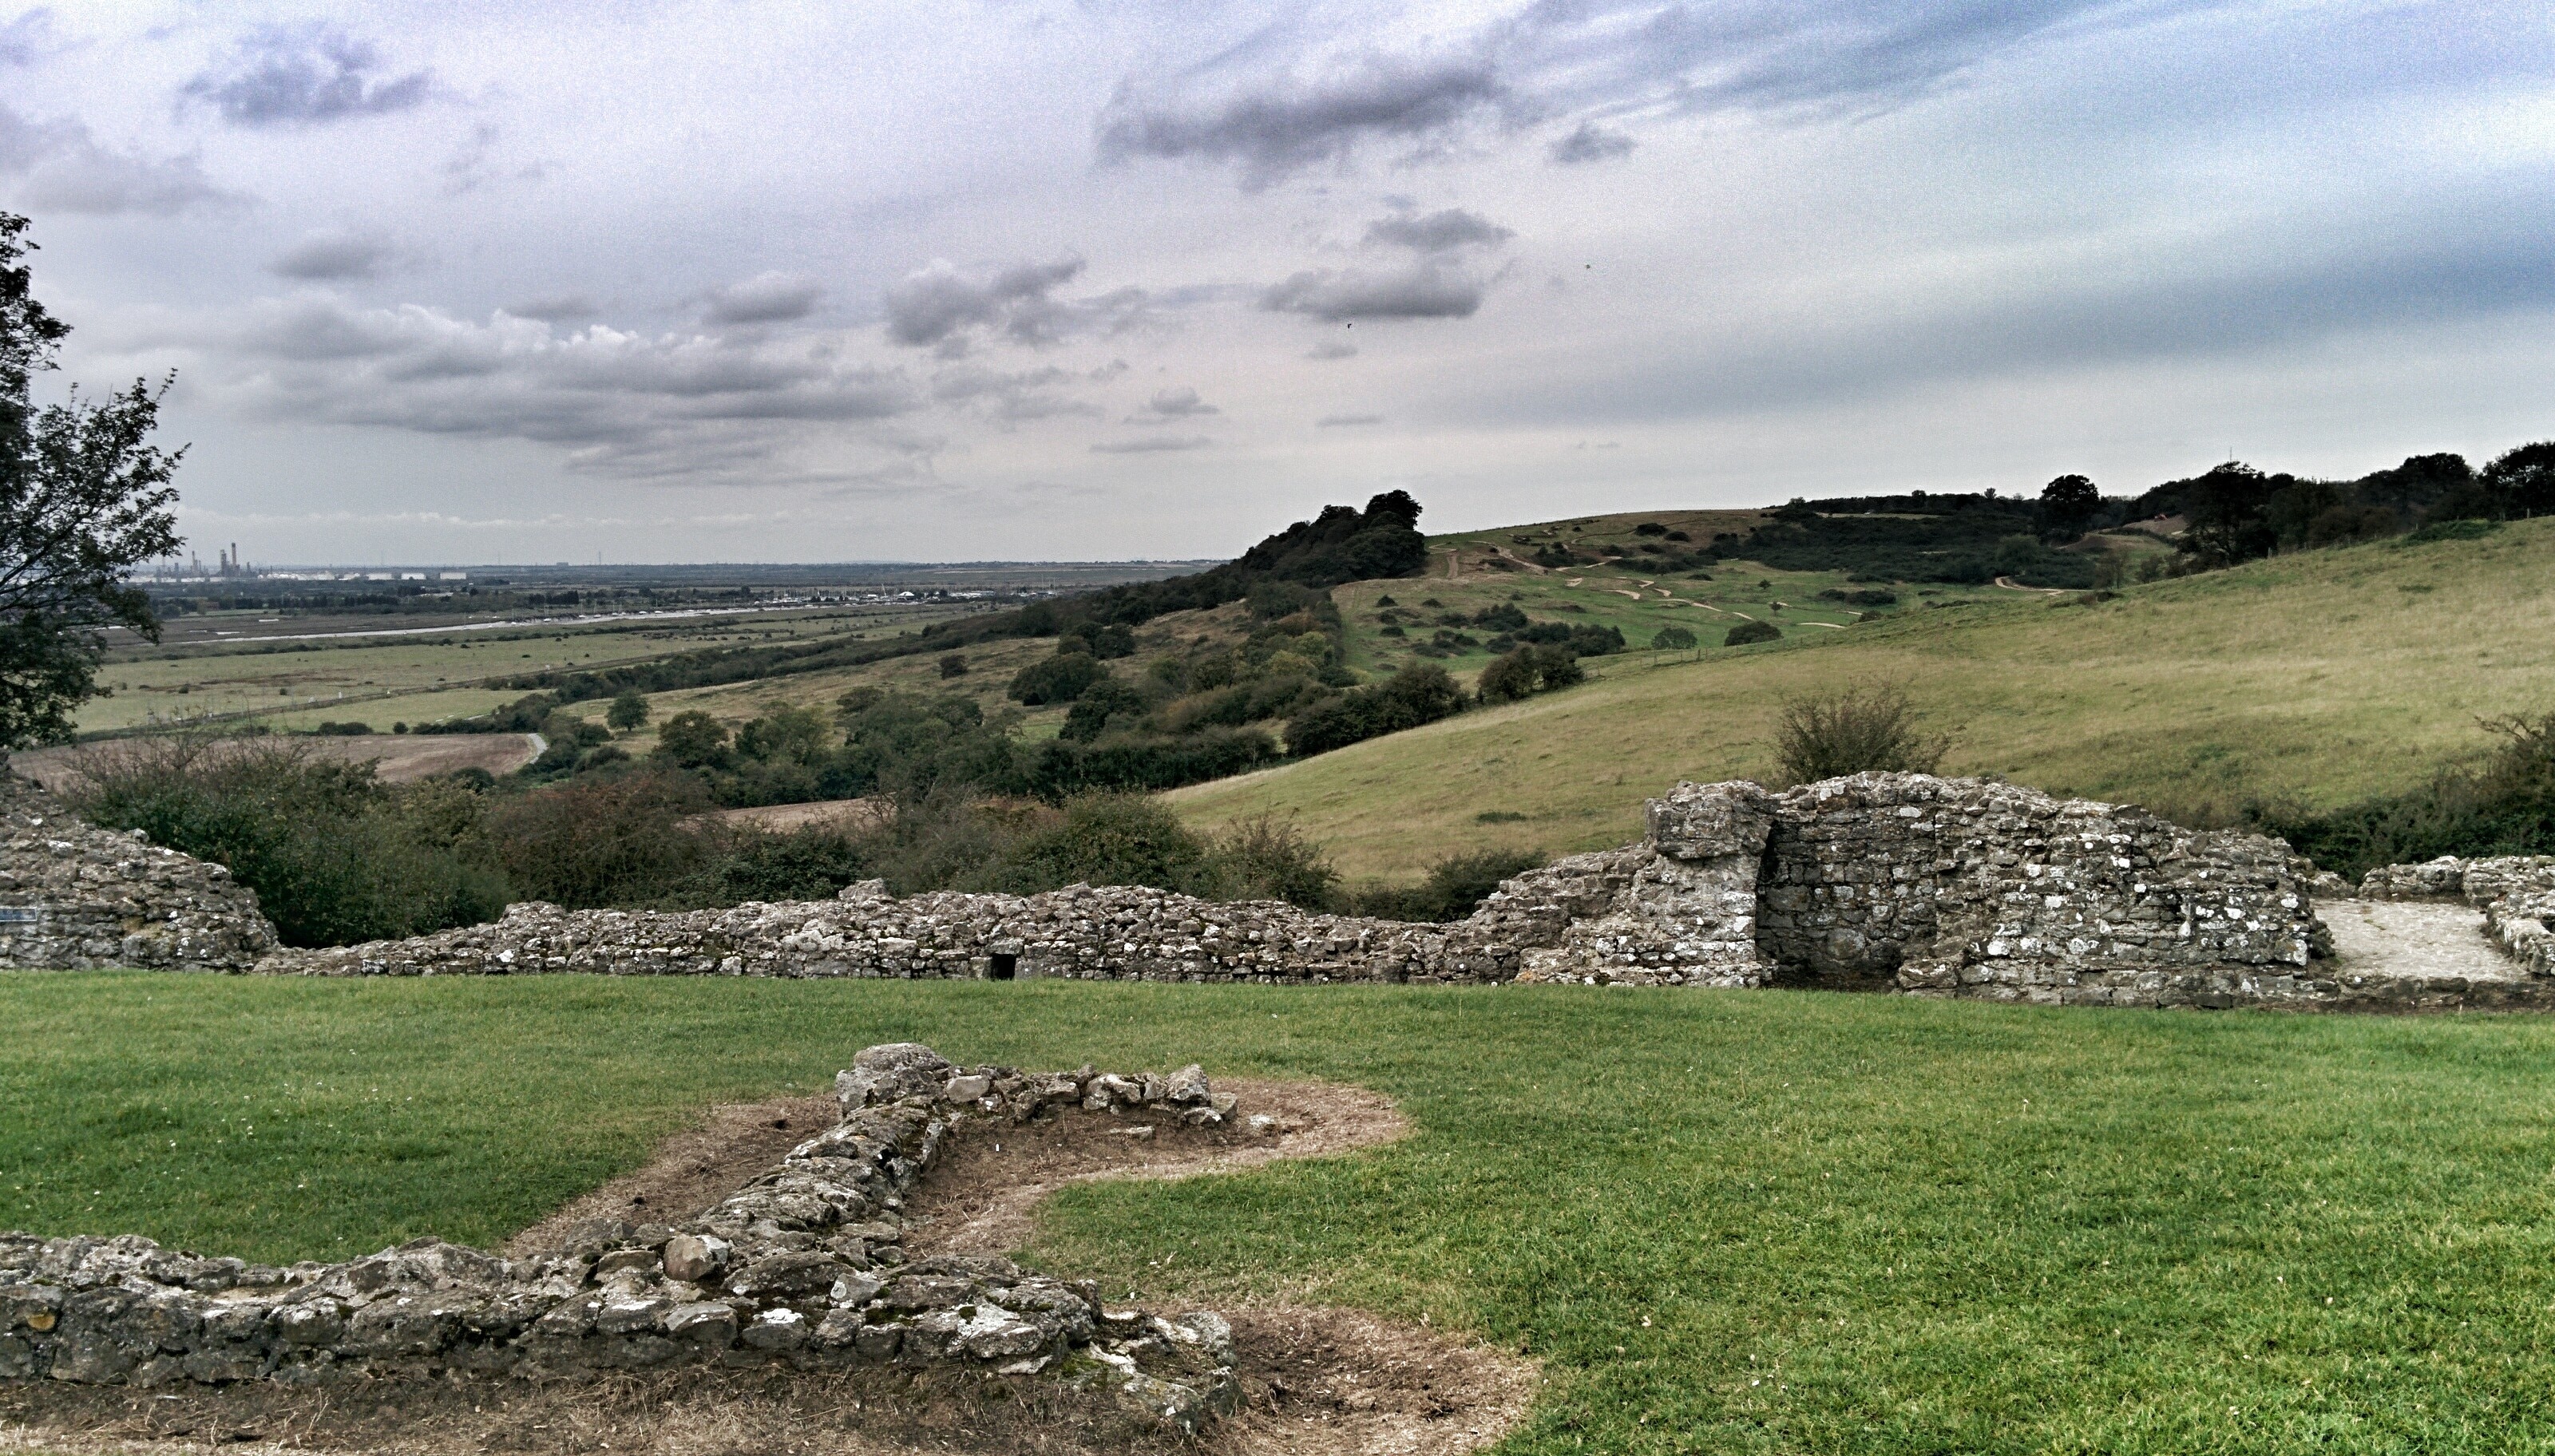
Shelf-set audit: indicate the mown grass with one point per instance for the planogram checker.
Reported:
(1754, 1221)
(2325, 678)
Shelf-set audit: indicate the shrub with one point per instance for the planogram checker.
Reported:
(629, 710)
(1855, 731)
(692, 738)
(1421, 693)
(602, 841)
(2504, 806)
(345, 730)
(1265, 858)
(953, 665)
(1649, 528)
(1672, 640)
(1454, 887)
(1058, 679)
(1528, 670)
(1097, 705)
(742, 865)
(336, 856)
(1748, 632)
(1103, 839)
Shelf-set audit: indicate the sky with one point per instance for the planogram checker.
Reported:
(1015, 280)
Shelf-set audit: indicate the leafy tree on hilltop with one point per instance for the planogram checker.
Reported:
(83, 500)
(629, 710)
(2069, 502)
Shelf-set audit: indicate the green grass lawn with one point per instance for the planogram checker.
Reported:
(1743, 1221)
(2327, 676)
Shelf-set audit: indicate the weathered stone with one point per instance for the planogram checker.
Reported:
(695, 1258)
(75, 896)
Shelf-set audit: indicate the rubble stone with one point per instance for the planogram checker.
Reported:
(776, 1273)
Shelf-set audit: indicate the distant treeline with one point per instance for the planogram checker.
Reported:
(2231, 513)
(1339, 545)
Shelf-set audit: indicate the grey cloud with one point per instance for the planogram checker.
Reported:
(1292, 98)
(1589, 142)
(1028, 393)
(61, 168)
(1428, 288)
(1279, 123)
(943, 307)
(1332, 349)
(1153, 444)
(934, 303)
(1335, 422)
(622, 404)
(565, 308)
(31, 38)
(1179, 404)
(305, 76)
(769, 297)
(329, 256)
(1440, 232)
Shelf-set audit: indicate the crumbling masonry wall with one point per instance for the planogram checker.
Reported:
(1906, 882)
(75, 896)
(803, 1267)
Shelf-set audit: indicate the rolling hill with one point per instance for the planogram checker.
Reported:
(2322, 677)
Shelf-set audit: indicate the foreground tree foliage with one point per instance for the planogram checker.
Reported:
(84, 498)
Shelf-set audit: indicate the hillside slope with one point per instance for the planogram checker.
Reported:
(2325, 675)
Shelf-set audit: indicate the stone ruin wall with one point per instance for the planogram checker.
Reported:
(803, 1267)
(75, 896)
(2516, 893)
(1906, 882)
(1938, 887)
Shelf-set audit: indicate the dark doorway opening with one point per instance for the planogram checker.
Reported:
(1003, 967)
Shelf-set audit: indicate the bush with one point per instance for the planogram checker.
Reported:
(1748, 632)
(953, 665)
(1058, 679)
(1421, 693)
(336, 856)
(692, 738)
(1857, 731)
(1672, 640)
(602, 841)
(343, 730)
(1454, 887)
(1264, 858)
(741, 864)
(2506, 806)
(1526, 670)
(1103, 839)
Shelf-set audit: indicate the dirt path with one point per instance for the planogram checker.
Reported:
(1315, 1381)
(2007, 583)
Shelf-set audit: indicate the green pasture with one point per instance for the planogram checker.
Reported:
(2325, 677)
(1723, 1221)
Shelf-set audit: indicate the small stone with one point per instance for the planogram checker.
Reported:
(709, 1325)
(969, 1088)
(695, 1257)
(1188, 1087)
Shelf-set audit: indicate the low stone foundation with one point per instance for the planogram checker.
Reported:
(2516, 893)
(1900, 882)
(803, 1267)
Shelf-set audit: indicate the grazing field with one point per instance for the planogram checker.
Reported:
(1743, 1221)
(2326, 676)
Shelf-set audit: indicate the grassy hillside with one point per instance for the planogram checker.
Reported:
(1756, 1222)
(2325, 675)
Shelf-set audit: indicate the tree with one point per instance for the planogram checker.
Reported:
(629, 710)
(692, 738)
(83, 500)
(1748, 632)
(2521, 482)
(2069, 502)
(1672, 640)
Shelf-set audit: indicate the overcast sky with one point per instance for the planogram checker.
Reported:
(742, 281)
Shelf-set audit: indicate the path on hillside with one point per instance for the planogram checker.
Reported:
(2007, 583)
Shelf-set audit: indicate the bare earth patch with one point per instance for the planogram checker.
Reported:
(1315, 1381)
(850, 815)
